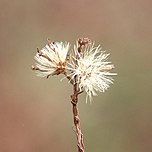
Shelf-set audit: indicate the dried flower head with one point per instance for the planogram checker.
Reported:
(51, 60)
(92, 70)
(87, 67)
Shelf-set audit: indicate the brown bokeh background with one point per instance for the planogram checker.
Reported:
(35, 113)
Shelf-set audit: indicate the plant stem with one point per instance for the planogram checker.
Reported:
(78, 132)
(74, 98)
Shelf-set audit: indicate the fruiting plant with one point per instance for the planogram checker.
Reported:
(85, 66)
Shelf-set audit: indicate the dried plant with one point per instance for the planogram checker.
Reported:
(86, 68)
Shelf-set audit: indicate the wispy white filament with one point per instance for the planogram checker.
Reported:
(51, 57)
(92, 70)
(90, 66)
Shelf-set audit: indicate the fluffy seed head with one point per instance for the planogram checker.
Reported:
(51, 60)
(92, 70)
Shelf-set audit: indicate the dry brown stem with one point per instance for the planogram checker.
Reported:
(78, 132)
(74, 100)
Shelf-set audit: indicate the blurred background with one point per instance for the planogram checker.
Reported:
(35, 113)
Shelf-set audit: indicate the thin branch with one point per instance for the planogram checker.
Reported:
(69, 78)
(78, 132)
(74, 101)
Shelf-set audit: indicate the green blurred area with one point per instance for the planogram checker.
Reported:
(35, 113)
